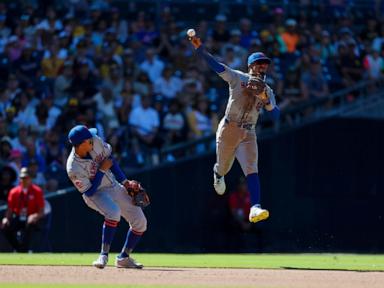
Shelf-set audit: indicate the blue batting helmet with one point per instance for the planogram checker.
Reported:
(80, 133)
(258, 56)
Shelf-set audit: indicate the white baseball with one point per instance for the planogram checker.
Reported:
(191, 32)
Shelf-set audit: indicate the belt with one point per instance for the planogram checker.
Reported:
(246, 126)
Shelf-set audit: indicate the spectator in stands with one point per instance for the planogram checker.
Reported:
(373, 64)
(232, 60)
(8, 177)
(313, 84)
(115, 80)
(193, 74)
(14, 162)
(239, 202)
(119, 25)
(167, 85)
(33, 155)
(36, 176)
(290, 36)
(28, 66)
(235, 43)
(202, 121)
(289, 92)
(326, 48)
(247, 34)
(130, 67)
(143, 85)
(351, 65)
(84, 81)
(54, 151)
(51, 64)
(220, 32)
(378, 41)
(25, 111)
(62, 85)
(47, 100)
(175, 126)
(5, 149)
(165, 47)
(106, 108)
(13, 88)
(127, 101)
(24, 213)
(152, 65)
(144, 122)
(20, 141)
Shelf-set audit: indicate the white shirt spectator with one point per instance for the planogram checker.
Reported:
(169, 88)
(26, 117)
(106, 108)
(152, 66)
(374, 64)
(144, 120)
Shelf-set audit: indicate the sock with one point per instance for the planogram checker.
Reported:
(109, 229)
(131, 241)
(217, 174)
(253, 183)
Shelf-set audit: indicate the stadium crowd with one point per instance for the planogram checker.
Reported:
(134, 76)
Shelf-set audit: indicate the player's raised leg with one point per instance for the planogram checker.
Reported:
(228, 137)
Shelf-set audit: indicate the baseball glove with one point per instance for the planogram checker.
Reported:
(137, 192)
(256, 85)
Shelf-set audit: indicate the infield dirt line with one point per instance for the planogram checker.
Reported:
(191, 276)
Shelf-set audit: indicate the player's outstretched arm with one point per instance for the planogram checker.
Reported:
(199, 47)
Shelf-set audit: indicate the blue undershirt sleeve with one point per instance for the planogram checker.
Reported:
(211, 61)
(95, 183)
(274, 113)
(116, 170)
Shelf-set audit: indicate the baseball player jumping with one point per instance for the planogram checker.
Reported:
(104, 187)
(236, 135)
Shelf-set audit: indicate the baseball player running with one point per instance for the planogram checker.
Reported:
(236, 135)
(104, 186)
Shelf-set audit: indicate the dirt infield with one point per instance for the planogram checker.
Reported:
(191, 276)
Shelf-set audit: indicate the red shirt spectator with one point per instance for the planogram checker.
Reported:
(240, 203)
(31, 198)
(25, 210)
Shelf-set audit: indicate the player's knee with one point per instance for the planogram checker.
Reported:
(114, 215)
(140, 225)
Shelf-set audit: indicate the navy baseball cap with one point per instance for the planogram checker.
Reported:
(258, 56)
(80, 133)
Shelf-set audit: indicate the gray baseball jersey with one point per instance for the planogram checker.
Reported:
(82, 170)
(236, 135)
(237, 107)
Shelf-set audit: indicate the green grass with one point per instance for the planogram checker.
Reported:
(28, 285)
(357, 262)
(91, 286)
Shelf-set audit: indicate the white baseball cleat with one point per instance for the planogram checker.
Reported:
(128, 262)
(219, 184)
(101, 262)
(257, 214)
